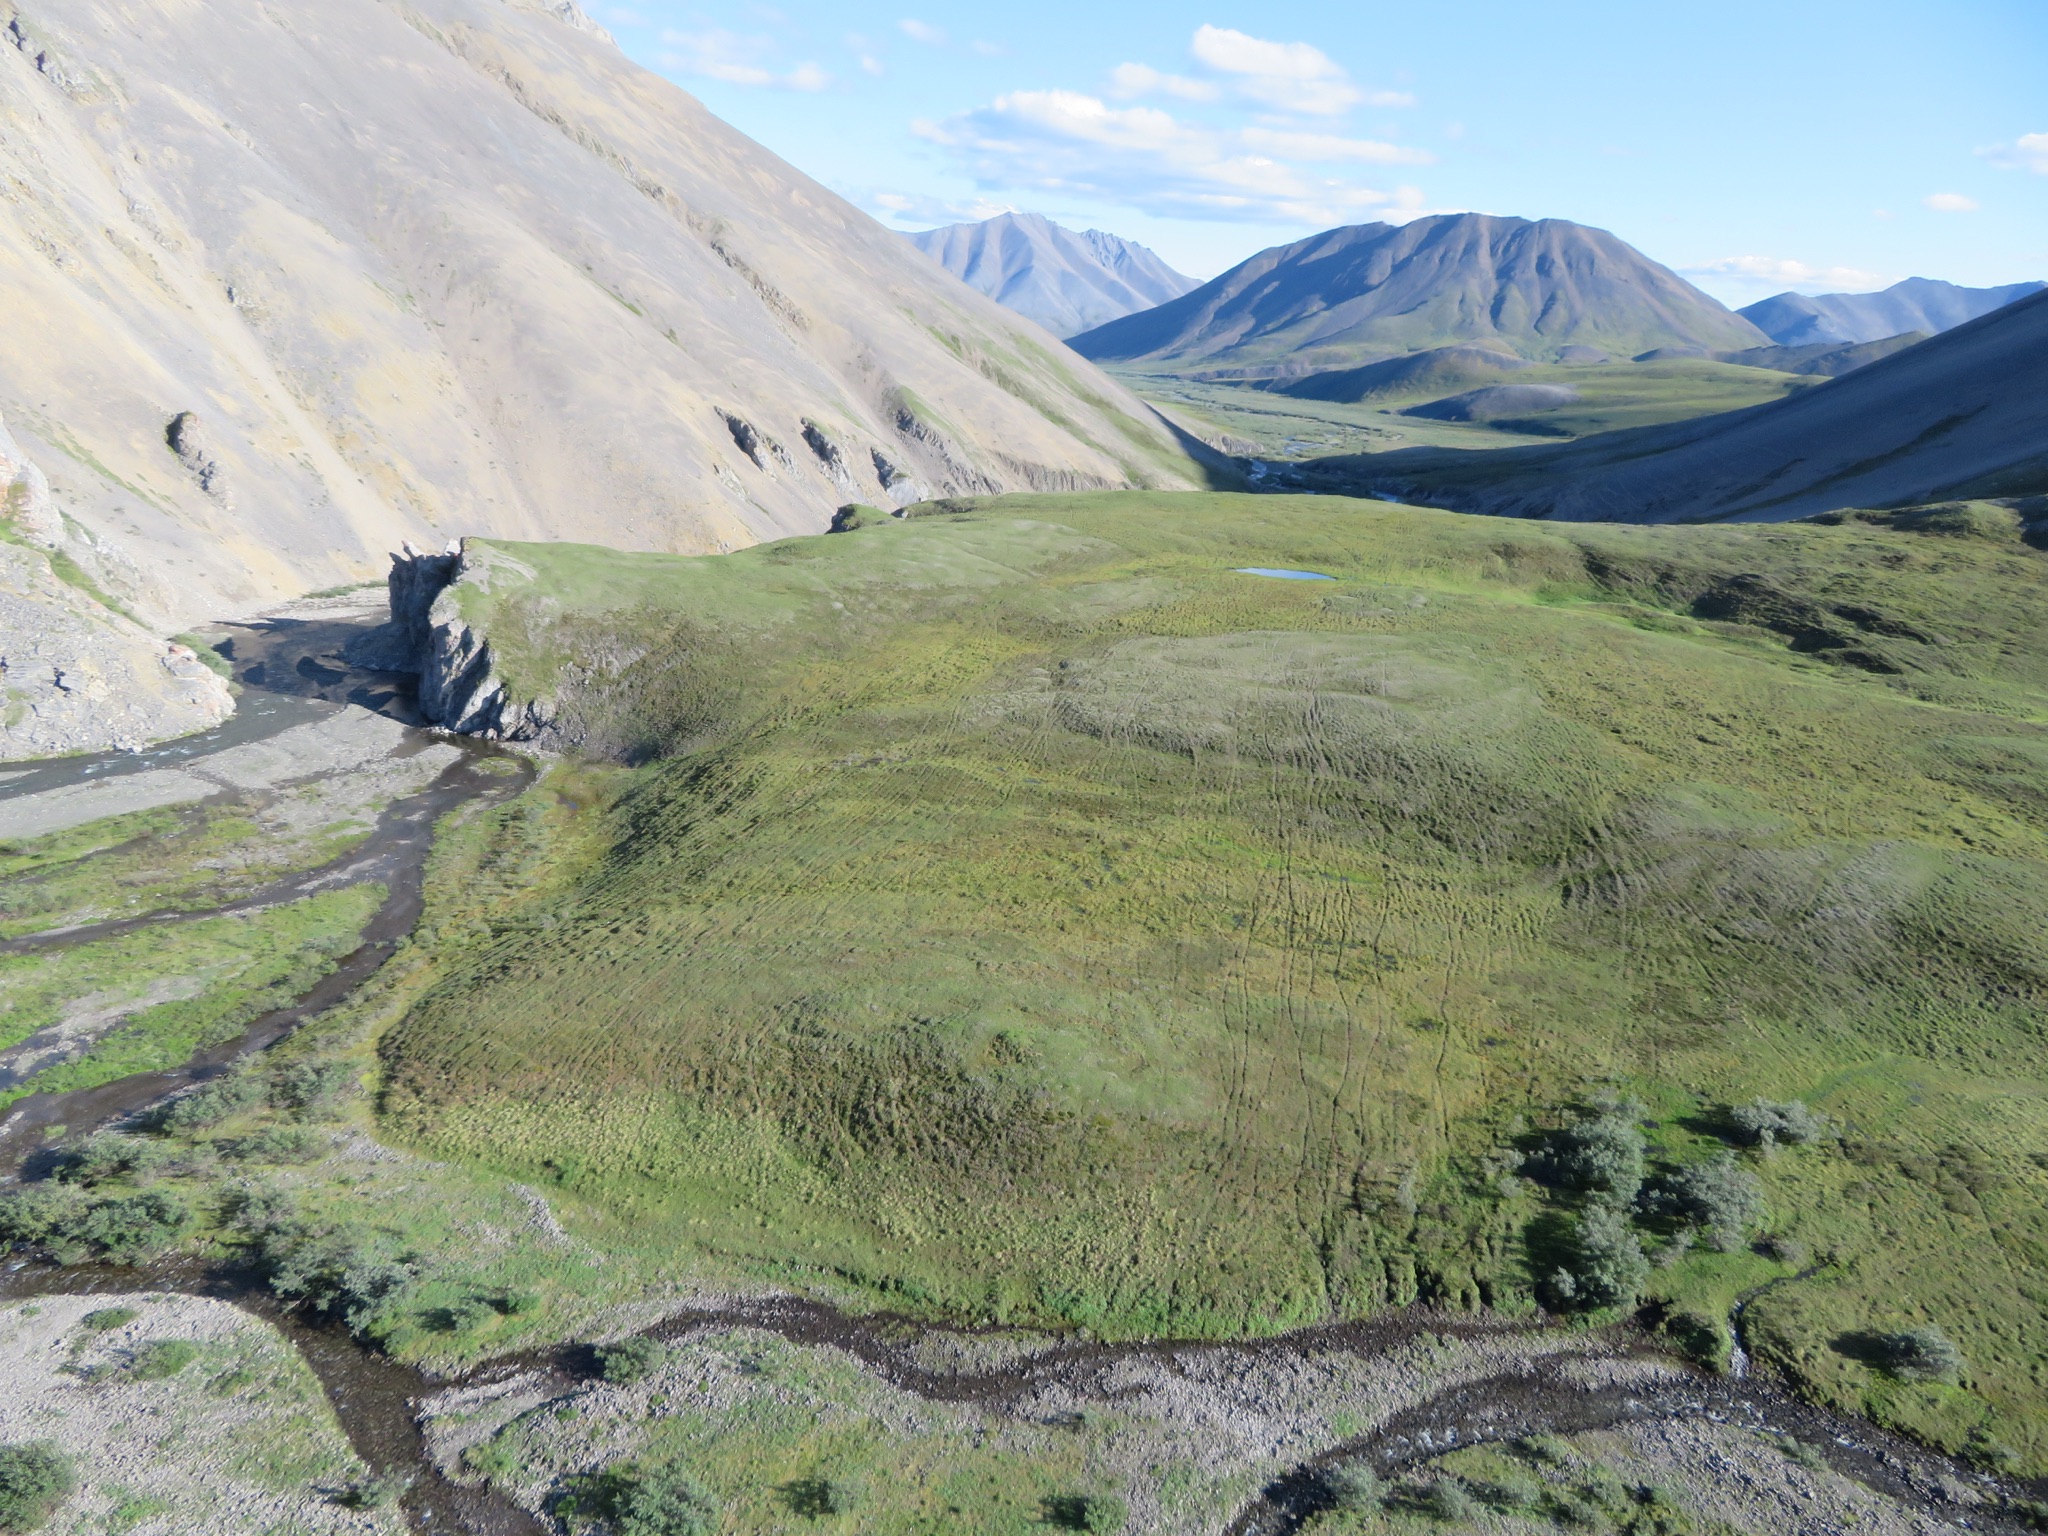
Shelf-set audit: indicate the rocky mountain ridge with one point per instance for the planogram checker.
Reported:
(1923, 304)
(1066, 280)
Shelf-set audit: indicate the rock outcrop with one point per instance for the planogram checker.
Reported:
(427, 634)
(75, 676)
(30, 514)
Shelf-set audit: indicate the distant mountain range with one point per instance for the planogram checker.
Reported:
(1365, 292)
(1068, 281)
(1918, 304)
(1963, 414)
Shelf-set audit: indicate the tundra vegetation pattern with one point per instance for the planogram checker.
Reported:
(1021, 914)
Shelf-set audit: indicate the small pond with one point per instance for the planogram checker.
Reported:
(1281, 574)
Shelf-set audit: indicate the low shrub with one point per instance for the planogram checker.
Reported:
(1761, 1123)
(633, 1501)
(107, 1319)
(35, 1480)
(1607, 1267)
(1354, 1487)
(1786, 1250)
(1921, 1354)
(1702, 1339)
(816, 1497)
(1600, 1150)
(465, 1316)
(1101, 1514)
(307, 1085)
(161, 1359)
(1800, 1454)
(1720, 1194)
(108, 1156)
(276, 1144)
(347, 1271)
(1509, 1494)
(375, 1492)
(209, 1104)
(1450, 1500)
(629, 1360)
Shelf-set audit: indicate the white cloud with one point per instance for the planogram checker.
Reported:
(736, 59)
(922, 31)
(2027, 153)
(987, 49)
(1950, 202)
(1078, 145)
(1323, 147)
(1778, 273)
(870, 65)
(1294, 77)
(922, 211)
(1129, 81)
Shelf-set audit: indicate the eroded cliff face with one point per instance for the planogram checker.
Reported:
(459, 688)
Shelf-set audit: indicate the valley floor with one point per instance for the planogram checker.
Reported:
(1021, 915)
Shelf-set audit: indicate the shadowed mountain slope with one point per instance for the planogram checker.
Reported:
(1962, 415)
(1066, 281)
(1917, 304)
(1353, 294)
(1824, 359)
(459, 266)
(1444, 368)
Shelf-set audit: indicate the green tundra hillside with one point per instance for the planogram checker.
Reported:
(1018, 911)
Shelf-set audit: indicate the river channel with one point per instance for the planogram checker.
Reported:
(291, 673)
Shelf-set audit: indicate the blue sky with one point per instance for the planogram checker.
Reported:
(1817, 145)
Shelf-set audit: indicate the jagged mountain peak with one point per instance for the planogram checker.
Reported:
(1066, 280)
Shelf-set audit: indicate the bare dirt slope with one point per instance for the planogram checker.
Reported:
(432, 267)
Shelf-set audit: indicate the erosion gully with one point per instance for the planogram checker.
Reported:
(377, 1399)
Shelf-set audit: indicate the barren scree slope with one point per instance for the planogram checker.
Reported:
(457, 266)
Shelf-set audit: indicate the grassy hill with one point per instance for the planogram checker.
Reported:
(1022, 913)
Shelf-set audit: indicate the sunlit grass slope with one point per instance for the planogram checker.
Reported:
(1021, 912)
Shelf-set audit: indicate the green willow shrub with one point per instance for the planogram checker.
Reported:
(630, 1360)
(209, 1104)
(1607, 1266)
(1720, 1194)
(1601, 1151)
(1354, 1487)
(35, 1480)
(1921, 1354)
(1761, 1123)
(633, 1501)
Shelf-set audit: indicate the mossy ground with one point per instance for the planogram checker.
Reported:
(146, 1000)
(1026, 916)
